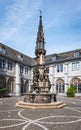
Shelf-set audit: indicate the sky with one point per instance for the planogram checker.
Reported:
(61, 19)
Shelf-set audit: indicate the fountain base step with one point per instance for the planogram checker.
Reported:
(53, 105)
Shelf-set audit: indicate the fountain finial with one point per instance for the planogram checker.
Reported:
(40, 12)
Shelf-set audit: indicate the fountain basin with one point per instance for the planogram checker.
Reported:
(40, 97)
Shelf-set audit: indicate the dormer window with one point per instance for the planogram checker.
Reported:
(20, 57)
(54, 58)
(76, 54)
(3, 50)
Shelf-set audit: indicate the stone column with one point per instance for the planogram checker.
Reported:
(66, 77)
(53, 88)
(29, 85)
(17, 88)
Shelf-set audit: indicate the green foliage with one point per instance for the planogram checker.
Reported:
(4, 89)
(71, 91)
(4, 92)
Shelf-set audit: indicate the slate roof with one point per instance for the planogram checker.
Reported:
(28, 61)
(63, 57)
(15, 55)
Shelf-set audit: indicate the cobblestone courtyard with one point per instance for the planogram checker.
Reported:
(68, 118)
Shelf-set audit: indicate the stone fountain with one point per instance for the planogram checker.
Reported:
(40, 95)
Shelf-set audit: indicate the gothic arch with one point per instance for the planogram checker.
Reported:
(11, 85)
(60, 88)
(59, 80)
(76, 82)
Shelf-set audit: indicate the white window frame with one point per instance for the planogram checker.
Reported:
(76, 54)
(76, 66)
(9, 65)
(3, 50)
(2, 63)
(60, 68)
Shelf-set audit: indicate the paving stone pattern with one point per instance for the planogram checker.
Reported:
(68, 118)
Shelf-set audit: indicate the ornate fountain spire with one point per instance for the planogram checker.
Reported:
(40, 94)
(40, 42)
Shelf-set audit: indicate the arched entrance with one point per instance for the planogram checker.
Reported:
(11, 85)
(2, 82)
(60, 86)
(76, 82)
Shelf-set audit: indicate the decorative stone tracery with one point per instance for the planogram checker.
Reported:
(76, 82)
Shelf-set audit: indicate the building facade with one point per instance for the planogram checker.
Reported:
(16, 70)
(65, 71)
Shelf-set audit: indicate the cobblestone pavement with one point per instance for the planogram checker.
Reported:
(68, 118)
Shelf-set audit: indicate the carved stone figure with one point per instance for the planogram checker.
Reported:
(41, 77)
(35, 74)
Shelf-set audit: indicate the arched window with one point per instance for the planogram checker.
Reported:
(76, 82)
(11, 85)
(60, 86)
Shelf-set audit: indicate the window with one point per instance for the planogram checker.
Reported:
(75, 66)
(76, 54)
(20, 56)
(60, 88)
(53, 58)
(9, 65)
(76, 82)
(26, 70)
(60, 68)
(2, 63)
(21, 69)
(3, 50)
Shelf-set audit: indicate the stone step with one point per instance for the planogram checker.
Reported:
(54, 105)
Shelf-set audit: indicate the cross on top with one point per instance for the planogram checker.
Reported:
(40, 12)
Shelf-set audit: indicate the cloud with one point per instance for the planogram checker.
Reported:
(18, 13)
(62, 13)
(19, 23)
